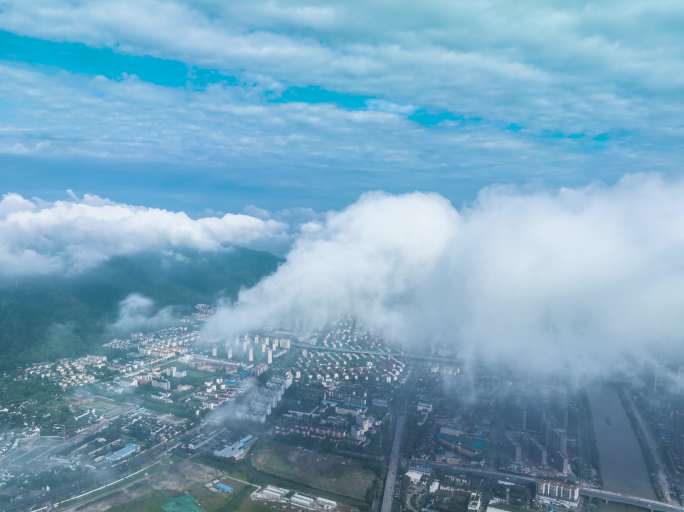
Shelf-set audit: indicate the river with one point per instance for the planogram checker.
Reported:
(623, 468)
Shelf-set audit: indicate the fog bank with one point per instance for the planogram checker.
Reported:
(574, 279)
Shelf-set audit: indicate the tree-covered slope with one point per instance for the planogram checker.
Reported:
(54, 316)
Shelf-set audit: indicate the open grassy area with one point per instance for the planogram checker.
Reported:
(166, 481)
(128, 490)
(151, 502)
(332, 473)
(331, 476)
(182, 503)
(154, 500)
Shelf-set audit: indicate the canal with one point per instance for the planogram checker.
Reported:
(623, 468)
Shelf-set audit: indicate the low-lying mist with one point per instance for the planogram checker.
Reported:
(140, 313)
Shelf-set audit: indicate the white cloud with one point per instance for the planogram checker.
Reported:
(577, 279)
(138, 313)
(12, 203)
(68, 236)
(562, 73)
(228, 129)
(559, 66)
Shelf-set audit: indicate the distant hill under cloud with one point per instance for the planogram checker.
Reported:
(52, 316)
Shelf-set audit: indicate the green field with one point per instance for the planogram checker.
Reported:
(151, 502)
(155, 501)
(331, 473)
(183, 503)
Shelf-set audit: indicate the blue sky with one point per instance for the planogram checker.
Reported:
(214, 106)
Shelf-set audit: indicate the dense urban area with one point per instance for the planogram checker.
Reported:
(324, 421)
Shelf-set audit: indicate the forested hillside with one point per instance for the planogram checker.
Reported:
(53, 316)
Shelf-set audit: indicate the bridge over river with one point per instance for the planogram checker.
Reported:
(626, 499)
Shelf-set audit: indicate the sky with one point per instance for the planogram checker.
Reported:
(502, 175)
(212, 107)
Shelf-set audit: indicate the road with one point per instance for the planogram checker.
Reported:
(390, 481)
(152, 455)
(93, 491)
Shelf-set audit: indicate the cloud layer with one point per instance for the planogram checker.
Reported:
(578, 279)
(492, 59)
(38, 237)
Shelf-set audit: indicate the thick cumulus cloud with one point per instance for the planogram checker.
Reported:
(69, 236)
(579, 279)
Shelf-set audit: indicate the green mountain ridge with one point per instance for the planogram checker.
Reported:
(47, 317)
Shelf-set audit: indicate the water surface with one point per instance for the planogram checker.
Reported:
(623, 468)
